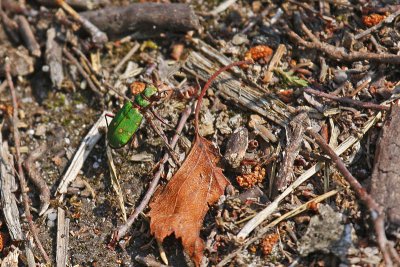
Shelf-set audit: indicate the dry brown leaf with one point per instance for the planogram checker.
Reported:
(181, 206)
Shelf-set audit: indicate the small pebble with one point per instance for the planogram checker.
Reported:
(340, 77)
(96, 165)
(40, 130)
(51, 224)
(52, 216)
(45, 68)
(30, 132)
(239, 39)
(67, 141)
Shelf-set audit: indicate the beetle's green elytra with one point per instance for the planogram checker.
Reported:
(124, 125)
(128, 119)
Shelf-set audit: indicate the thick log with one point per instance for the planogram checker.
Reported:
(144, 17)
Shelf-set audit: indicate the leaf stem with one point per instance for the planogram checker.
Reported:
(208, 84)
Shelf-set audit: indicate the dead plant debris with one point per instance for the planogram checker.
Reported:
(306, 128)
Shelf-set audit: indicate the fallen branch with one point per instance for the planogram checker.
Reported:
(150, 17)
(18, 159)
(347, 100)
(377, 213)
(385, 180)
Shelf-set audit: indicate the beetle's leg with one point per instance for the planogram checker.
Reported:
(110, 116)
(161, 133)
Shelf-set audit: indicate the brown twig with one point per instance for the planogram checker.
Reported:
(97, 35)
(18, 159)
(28, 36)
(347, 100)
(339, 53)
(375, 209)
(123, 229)
(36, 178)
(82, 72)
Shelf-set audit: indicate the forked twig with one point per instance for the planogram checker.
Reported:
(339, 53)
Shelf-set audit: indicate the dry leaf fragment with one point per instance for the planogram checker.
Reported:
(181, 206)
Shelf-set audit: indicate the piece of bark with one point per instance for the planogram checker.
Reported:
(294, 137)
(143, 17)
(62, 238)
(385, 184)
(231, 88)
(36, 178)
(21, 63)
(7, 186)
(54, 58)
(28, 36)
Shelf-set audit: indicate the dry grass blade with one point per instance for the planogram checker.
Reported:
(92, 137)
(115, 183)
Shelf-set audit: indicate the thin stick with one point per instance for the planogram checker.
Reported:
(127, 57)
(82, 72)
(21, 175)
(208, 84)
(28, 36)
(375, 209)
(123, 229)
(347, 100)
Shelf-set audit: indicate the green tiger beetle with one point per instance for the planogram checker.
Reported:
(128, 119)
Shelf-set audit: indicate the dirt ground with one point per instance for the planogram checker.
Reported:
(339, 231)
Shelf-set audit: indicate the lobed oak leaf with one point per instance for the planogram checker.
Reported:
(181, 205)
